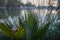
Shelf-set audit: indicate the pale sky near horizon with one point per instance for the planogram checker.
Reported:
(24, 1)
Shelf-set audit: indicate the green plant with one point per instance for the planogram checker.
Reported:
(31, 23)
(41, 32)
(6, 30)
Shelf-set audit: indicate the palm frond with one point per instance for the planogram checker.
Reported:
(19, 33)
(20, 30)
(32, 20)
(5, 30)
(40, 32)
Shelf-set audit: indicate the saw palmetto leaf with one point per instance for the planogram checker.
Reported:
(19, 33)
(40, 32)
(5, 30)
(32, 21)
(20, 30)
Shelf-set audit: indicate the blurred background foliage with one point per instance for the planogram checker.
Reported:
(28, 29)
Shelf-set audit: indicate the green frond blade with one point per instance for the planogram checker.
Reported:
(19, 33)
(41, 32)
(5, 30)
